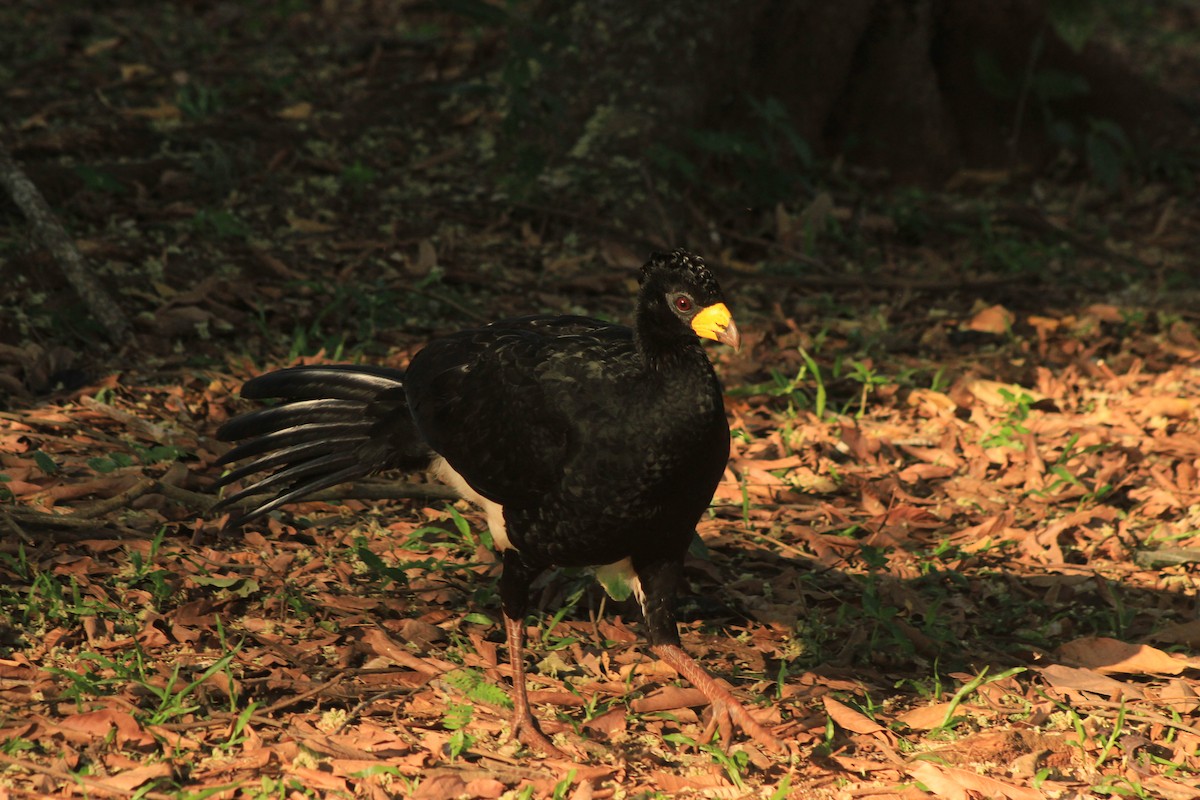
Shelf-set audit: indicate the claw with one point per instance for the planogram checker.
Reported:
(727, 712)
(525, 730)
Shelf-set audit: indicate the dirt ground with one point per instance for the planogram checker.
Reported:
(955, 553)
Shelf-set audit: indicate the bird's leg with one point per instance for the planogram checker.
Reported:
(514, 595)
(727, 711)
(658, 580)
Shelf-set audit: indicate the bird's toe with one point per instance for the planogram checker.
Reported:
(526, 731)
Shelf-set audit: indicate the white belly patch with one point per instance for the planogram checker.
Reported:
(618, 579)
(495, 512)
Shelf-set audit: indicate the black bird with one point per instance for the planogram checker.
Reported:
(586, 442)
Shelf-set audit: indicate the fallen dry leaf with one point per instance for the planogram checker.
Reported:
(848, 718)
(1187, 633)
(1087, 680)
(994, 319)
(953, 783)
(924, 718)
(1113, 656)
(130, 779)
(302, 110)
(1174, 407)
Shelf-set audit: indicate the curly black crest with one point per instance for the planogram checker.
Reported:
(683, 266)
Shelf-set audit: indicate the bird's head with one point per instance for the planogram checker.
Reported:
(678, 289)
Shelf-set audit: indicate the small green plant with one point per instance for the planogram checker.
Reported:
(746, 505)
(236, 733)
(596, 705)
(734, 763)
(159, 453)
(782, 789)
(929, 689)
(357, 177)
(457, 718)
(219, 224)
(819, 395)
(1110, 742)
(173, 700)
(969, 688)
(116, 673)
(940, 381)
(1065, 477)
(284, 788)
(794, 388)
(382, 571)
(16, 745)
(351, 317)
(197, 101)
(422, 540)
(769, 156)
(470, 682)
(866, 375)
(100, 181)
(46, 602)
(160, 580)
(1121, 786)
(1007, 435)
(562, 787)
(110, 463)
(550, 640)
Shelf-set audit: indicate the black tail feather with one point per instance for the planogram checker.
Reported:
(283, 457)
(297, 474)
(336, 381)
(335, 424)
(290, 415)
(294, 495)
(268, 440)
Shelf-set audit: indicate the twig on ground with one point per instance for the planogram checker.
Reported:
(1138, 716)
(16, 528)
(27, 516)
(386, 490)
(300, 698)
(354, 713)
(197, 501)
(118, 500)
(153, 432)
(216, 720)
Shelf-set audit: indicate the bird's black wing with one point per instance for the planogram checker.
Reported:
(501, 403)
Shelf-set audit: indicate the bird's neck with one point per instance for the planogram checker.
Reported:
(666, 347)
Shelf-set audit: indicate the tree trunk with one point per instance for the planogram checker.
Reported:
(897, 84)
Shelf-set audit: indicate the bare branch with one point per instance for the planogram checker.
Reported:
(55, 238)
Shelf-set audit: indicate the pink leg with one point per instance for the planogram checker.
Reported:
(727, 711)
(524, 727)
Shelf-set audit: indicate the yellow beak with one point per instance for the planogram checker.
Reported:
(715, 322)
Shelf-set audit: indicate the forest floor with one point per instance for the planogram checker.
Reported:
(955, 554)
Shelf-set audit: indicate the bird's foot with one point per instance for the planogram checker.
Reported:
(727, 712)
(726, 715)
(525, 730)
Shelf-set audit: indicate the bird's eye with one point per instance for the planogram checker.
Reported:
(683, 303)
